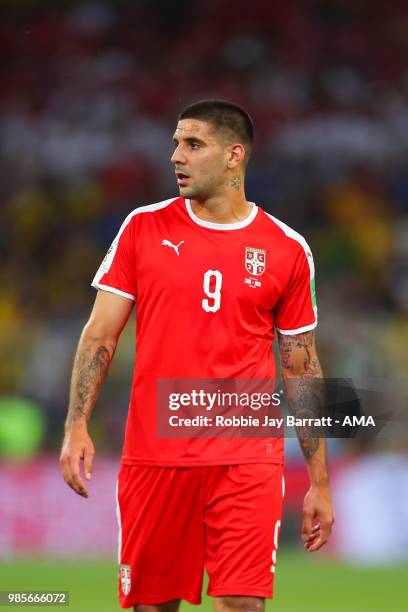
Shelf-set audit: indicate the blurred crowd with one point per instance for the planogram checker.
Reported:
(89, 97)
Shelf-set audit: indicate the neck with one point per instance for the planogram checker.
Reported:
(229, 207)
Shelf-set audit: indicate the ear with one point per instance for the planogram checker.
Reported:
(235, 155)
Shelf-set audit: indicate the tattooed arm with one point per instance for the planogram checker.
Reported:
(302, 375)
(94, 354)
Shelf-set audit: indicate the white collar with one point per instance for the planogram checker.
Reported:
(222, 226)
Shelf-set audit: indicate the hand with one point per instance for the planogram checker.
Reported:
(77, 446)
(318, 517)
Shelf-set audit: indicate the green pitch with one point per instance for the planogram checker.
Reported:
(303, 584)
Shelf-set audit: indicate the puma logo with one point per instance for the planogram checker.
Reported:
(173, 246)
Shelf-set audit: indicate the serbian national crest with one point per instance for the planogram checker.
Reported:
(125, 579)
(255, 260)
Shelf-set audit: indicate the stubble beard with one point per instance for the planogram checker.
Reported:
(194, 192)
(206, 188)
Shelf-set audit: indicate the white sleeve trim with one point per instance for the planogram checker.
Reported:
(114, 290)
(299, 330)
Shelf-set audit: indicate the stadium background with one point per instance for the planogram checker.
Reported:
(89, 93)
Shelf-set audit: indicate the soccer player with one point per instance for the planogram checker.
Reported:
(212, 276)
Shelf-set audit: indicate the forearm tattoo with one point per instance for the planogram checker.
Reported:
(89, 372)
(303, 382)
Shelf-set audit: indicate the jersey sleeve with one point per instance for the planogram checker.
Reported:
(117, 272)
(296, 311)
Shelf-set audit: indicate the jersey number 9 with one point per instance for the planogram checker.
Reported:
(212, 278)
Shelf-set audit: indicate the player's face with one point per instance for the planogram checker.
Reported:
(199, 159)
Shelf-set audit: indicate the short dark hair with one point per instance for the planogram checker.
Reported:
(225, 116)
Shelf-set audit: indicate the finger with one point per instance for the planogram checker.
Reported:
(75, 483)
(78, 488)
(66, 469)
(317, 545)
(76, 475)
(72, 482)
(307, 526)
(321, 539)
(88, 462)
(73, 476)
(311, 539)
(315, 529)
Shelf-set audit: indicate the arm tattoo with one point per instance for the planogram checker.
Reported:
(88, 375)
(236, 182)
(303, 381)
(290, 346)
(305, 401)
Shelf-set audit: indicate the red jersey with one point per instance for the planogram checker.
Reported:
(208, 299)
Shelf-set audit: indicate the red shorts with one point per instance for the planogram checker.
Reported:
(173, 522)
